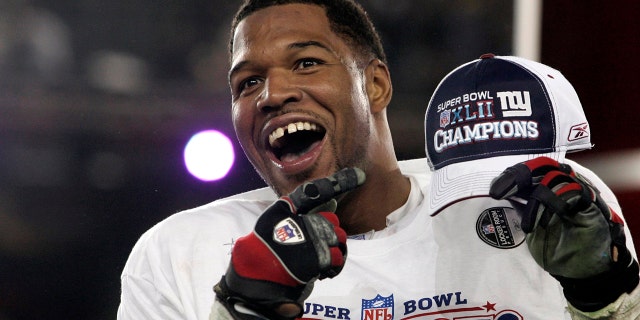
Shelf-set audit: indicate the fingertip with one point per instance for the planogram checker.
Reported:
(342, 235)
(501, 185)
(288, 310)
(337, 257)
(541, 163)
(360, 175)
(331, 217)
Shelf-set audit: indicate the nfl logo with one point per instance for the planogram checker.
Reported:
(488, 229)
(284, 233)
(287, 231)
(378, 308)
(444, 118)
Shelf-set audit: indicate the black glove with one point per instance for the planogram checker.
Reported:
(296, 241)
(571, 232)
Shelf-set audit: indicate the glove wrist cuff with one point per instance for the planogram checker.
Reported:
(261, 297)
(594, 293)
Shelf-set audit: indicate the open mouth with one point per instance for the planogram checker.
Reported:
(290, 142)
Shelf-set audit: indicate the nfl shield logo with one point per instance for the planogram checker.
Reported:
(378, 308)
(444, 118)
(287, 231)
(489, 228)
(284, 233)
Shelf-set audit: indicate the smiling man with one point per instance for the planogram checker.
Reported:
(306, 103)
(344, 230)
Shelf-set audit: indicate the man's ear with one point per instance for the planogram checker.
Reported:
(379, 88)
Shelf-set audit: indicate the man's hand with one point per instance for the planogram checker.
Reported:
(296, 241)
(571, 232)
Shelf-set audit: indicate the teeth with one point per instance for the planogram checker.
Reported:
(291, 128)
(276, 134)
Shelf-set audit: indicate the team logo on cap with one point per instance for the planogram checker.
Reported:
(515, 103)
(499, 227)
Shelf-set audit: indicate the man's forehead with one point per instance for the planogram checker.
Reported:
(290, 22)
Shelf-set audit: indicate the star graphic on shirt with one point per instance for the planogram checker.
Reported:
(490, 306)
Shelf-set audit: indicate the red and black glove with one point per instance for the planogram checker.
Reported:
(296, 241)
(571, 232)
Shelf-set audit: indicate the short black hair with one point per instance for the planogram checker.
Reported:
(346, 18)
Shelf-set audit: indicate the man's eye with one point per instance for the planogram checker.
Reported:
(307, 63)
(248, 83)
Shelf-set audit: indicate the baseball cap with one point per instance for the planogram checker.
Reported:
(494, 112)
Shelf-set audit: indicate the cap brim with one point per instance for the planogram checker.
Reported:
(459, 181)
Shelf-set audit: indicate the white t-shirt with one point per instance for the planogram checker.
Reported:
(467, 262)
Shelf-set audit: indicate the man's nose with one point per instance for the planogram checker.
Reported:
(279, 89)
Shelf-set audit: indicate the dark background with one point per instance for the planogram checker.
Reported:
(98, 98)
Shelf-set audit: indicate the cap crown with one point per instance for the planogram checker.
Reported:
(498, 106)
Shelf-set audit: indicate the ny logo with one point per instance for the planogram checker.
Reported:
(515, 103)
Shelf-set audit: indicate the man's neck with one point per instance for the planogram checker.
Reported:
(367, 208)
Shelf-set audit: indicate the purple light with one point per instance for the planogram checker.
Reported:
(209, 155)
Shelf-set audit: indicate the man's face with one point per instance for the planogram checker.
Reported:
(299, 104)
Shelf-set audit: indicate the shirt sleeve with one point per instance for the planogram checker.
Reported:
(219, 312)
(140, 299)
(626, 307)
(147, 291)
(171, 270)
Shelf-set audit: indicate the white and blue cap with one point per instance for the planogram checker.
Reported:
(491, 113)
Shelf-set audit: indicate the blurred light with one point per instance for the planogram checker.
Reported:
(620, 170)
(118, 72)
(209, 155)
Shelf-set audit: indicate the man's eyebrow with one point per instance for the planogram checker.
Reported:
(310, 43)
(295, 45)
(236, 68)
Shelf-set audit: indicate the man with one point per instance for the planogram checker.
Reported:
(310, 87)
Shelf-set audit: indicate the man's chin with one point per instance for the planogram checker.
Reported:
(285, 184)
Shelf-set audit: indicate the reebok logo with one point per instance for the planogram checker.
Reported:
(579, 131)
